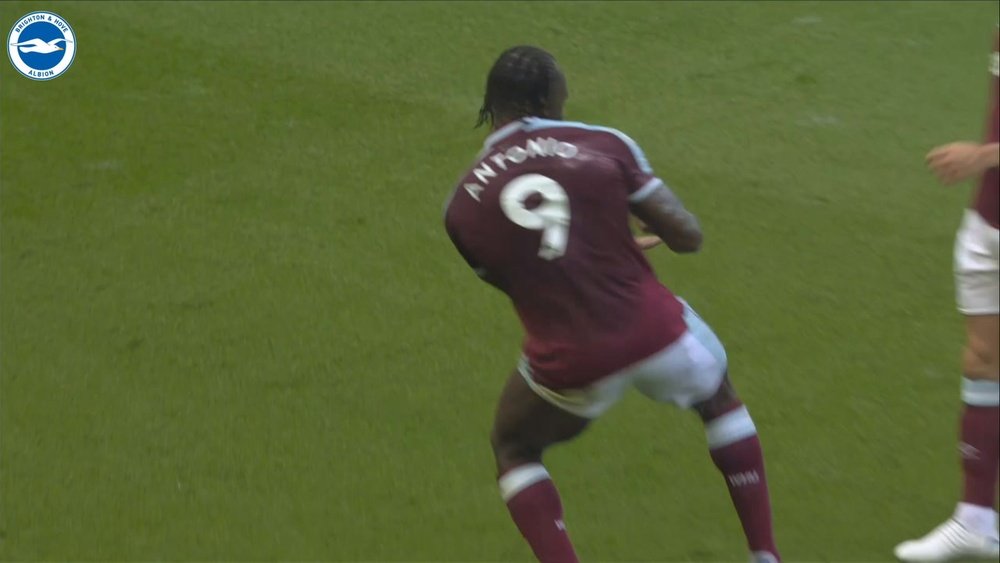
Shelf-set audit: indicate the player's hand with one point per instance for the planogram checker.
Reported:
(646, 242)
(955, 162)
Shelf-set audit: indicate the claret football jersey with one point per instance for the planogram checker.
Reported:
(543, 215)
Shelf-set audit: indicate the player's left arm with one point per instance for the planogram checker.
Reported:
(663, 214)
(657, 207)
(956, 162)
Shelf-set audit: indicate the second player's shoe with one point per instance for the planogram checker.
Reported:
(948, 542)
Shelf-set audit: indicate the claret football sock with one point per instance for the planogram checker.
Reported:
(979, 445)
(971, 532)
(535, 507)
(735, 449)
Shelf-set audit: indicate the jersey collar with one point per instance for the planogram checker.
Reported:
(503, 132)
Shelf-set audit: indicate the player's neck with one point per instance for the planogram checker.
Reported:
(503, 122)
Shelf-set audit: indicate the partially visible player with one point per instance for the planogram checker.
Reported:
(972, 530)
(543, 215)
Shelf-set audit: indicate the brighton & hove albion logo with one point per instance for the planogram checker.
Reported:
(41, 45)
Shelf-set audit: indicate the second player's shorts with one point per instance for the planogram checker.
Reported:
(977, 266)
(685, 373)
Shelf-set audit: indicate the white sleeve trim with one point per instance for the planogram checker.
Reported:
(645, 191)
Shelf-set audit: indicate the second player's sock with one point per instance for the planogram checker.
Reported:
(735, 449)
(980, 449)
(535, 507)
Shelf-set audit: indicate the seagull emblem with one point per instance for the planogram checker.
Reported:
(36, 45)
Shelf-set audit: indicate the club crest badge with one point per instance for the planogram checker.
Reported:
(41, 45)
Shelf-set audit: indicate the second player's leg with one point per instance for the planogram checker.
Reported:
(524, 427)
(979, 427)
(981, 355)
(980, 423)
(971, 531)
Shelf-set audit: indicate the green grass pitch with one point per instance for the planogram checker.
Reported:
(232, 327)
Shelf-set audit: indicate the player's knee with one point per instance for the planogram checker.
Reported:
(979, 361)
(511, 451)
(723, 401)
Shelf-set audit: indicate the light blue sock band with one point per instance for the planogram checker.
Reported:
(980, 392)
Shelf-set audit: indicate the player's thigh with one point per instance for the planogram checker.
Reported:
(977, 268)
(689, 371)
(526, 422)
(982, 349)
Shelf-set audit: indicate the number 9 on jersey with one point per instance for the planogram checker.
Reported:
(551, 216)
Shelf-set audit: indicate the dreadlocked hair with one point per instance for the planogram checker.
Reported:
(518, 84)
